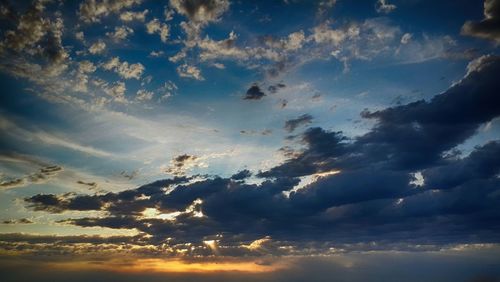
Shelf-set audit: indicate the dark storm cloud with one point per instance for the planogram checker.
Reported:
(57, 204)
(322, 147)
(374, 198)
(292, 124)
(241, 175)
(489, 27)
(406, 137)
(254, 93)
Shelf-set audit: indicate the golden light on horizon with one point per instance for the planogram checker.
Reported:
(174, 265)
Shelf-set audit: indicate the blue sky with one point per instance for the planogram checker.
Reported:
(326, 110)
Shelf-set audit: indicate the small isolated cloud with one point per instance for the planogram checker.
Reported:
(324, 6)
(124, 69)
(405, 39)
(162, 29)
(97, 48)
(120, 33)
(129, 16)
(292, 124)
(384, 7)
(189, 71)
(489, 27)
(80, 36)
(144, 95)
(254, 93)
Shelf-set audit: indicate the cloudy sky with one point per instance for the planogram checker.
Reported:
(219, 140)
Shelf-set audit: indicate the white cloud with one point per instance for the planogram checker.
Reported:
(155, 26)
(383, 6)
(124, 69)
(117, 91)
(128, 16)
(405, 39)
(80, 36)
(86, 67)
(97, 48)
(156, 54)
(120, 33)
(93, 10)
(189, 72)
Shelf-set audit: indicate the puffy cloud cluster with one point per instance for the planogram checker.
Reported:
(117, 91)
(162, 29)
(189, 71)
(97, 47)
(124, 69)
(129, 16)
(120, 33)
(93, 10)
(35, 36)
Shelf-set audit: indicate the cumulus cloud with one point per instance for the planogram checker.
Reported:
(86, 67)
(129, 16)
(117, 91)
(120, 33)
(91, 11)
(489, 27)
(189, 71)
(144, 95)
(124, 69)
(36, 42)
(162, 29)
(97, 47)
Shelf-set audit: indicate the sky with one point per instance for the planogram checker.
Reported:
(218, 140)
